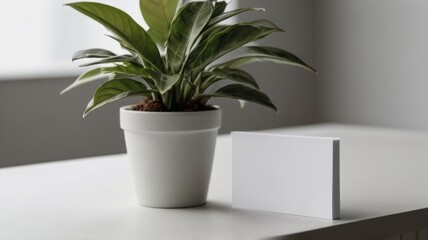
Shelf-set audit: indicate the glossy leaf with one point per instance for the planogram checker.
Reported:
(225, 39)
(230, 14)
(163, 82)
(264, 23)
(158, 14)
(219, 8)
(190, 39)
(114, 59)
(128, 69)
(206, 33)
(115, 90)
(123, 44)
(185, 28)
(233, 74)
(87, 77)
(243, 93)
(131, 71)
(93, 53)
(266, 54)
(280, 53)
(124, 27)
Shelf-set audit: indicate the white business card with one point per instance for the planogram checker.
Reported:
(296, 175)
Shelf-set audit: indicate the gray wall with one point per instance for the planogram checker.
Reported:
(38, 125)
(373, 61)
(291, 88)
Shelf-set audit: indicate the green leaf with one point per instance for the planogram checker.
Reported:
(123, 44)
(115, 90)
(186, 27)
(244, 93)
(131, 71)
(87, 77)
(206, 33)
(224, 39)
(163, 82)
(264, 23)
(128, 69)
(281, 54)
(227, 15)
(93, 53)
(125, 28)
(158, 14)
(266, 54)
(219, 8)
(115, 59)
(236, 75)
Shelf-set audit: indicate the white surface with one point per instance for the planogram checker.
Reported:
(171, 155)
(382, 172)
(286, 174)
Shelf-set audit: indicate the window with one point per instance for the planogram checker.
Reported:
(38, 37)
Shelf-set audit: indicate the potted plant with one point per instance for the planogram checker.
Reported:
(171, 135)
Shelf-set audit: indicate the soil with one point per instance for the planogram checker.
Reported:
(157, 106)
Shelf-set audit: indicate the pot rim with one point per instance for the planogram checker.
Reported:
(128, 109)
(142, 121)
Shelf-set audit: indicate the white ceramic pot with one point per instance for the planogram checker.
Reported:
(171, 155)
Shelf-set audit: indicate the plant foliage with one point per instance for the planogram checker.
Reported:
(173, 61)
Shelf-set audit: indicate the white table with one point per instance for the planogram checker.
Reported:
(384, 193)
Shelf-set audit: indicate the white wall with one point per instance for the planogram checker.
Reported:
(373, 61)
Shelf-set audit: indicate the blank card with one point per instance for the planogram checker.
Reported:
(296, 175)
